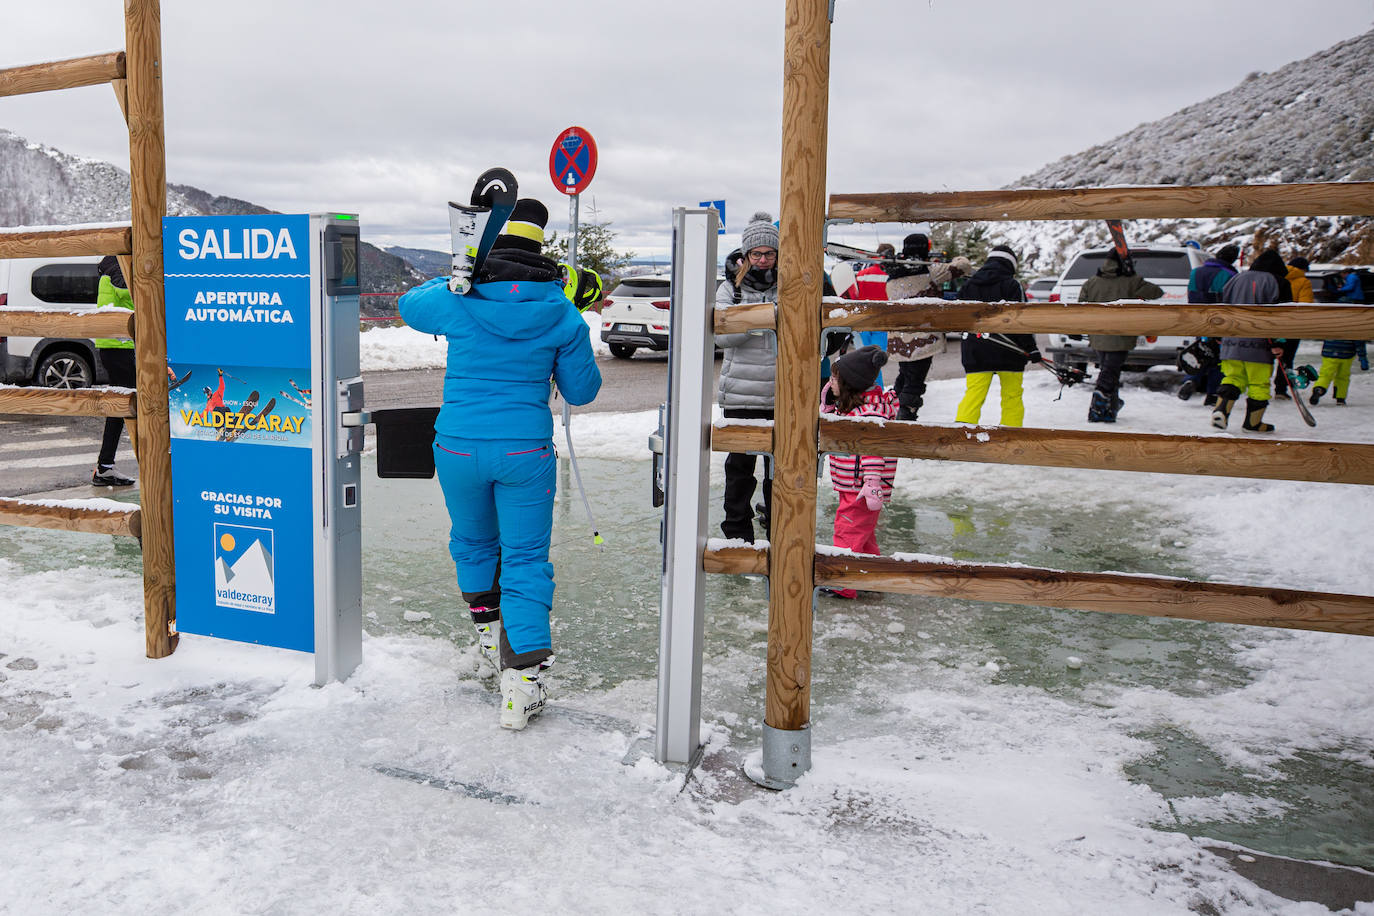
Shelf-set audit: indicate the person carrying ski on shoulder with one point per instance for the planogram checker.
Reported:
(1248, 362)
(870, 285)
(493, 444)
(863, 483)
(1114, 281)
(915, 351)
(748, 370)
(984, 358)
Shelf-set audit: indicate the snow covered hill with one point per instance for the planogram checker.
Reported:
(1312, 120)
(42, 186)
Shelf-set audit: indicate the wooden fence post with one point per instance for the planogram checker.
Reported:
(805, 102)
(148, 188)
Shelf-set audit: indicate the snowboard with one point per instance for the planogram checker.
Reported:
(243, 415)
(174, 385)
(474, 226)
(1296, 384)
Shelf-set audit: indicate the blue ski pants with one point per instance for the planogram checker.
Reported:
(499, 494)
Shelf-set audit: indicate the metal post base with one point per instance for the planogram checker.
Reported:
(786, 756)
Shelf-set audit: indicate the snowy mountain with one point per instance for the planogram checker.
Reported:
(42, 186)
(430, 263)
(1312, 120)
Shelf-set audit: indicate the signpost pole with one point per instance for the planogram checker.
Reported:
(573, 207)
(572, 163)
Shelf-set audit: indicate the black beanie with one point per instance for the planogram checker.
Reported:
(916, 245)
(859, 369)
(525, 228)
(1299, 262)
(1228, 254)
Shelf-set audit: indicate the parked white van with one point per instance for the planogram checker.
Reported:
(49, 283)
(1166, 266)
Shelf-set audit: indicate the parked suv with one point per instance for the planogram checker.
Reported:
(635, 315)
(49, 283)
(1165, 266)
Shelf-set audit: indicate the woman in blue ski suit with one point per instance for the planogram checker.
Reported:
(493, 445)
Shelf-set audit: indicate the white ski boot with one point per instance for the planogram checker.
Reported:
(522, 696)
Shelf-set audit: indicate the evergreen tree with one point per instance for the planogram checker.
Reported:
(967, 239)
(595, 249)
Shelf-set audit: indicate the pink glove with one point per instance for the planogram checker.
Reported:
(872, 492)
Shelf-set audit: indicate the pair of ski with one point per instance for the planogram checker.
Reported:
(1119, 243)
(244, 413)
(476, 224)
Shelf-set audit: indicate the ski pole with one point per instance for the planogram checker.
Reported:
(577, 474)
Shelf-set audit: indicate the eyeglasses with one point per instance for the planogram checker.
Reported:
(759, 255)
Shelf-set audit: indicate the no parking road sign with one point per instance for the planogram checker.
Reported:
(572, 161)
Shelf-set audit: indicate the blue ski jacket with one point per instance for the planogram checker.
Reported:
(506, 339)
(1344, 349)
(1205, 283)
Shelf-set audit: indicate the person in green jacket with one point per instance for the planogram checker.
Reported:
(1114, 281)
(117, 356)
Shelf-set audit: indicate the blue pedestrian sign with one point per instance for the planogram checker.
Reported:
(572, 161)
(719, 207)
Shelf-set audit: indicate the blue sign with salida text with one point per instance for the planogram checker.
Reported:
(239, 299)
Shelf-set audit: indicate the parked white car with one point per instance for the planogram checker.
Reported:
(1042, 290)
(49, 283)
(635, 315)
(1165, 266)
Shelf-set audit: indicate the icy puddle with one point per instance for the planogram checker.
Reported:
(870, 651)
(948, 725)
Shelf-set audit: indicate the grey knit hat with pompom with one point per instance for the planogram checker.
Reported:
(760, 233)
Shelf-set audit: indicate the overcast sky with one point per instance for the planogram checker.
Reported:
(392, 108)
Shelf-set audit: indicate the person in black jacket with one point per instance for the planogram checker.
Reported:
(1001, 355)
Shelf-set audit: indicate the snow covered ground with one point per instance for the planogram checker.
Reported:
(959, 765)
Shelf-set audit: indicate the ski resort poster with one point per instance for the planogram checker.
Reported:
(238, 344)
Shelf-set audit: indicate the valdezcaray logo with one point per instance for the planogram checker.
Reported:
(244, 575)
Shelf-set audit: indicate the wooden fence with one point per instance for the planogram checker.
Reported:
(792, 562)
(136, 78)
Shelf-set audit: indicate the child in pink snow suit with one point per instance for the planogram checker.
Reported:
(863, 482)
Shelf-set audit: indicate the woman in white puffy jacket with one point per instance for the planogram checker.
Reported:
(748, 370)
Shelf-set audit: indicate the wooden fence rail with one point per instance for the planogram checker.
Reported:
(63, 74)
(1314, 322)
(71, 242)
(1116, 593)
(54, 323)
(1211, 456)
(77, 402)
(72, 516)
(1353, 198)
